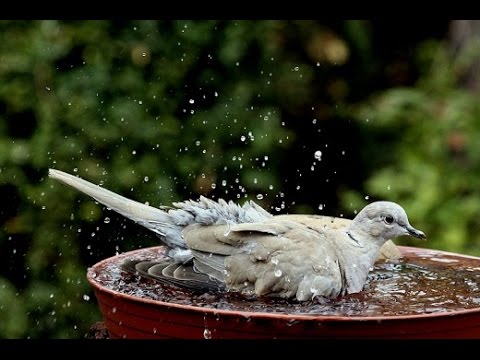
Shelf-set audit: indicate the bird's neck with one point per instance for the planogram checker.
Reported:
(360, 252)
(364, 238)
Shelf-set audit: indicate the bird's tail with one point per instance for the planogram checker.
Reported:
(143, 214)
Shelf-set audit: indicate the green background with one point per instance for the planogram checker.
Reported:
(300, 116)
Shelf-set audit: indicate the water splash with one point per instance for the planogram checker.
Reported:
(415, 285)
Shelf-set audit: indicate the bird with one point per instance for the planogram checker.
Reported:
(224, 246)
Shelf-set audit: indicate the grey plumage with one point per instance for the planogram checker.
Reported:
(223, 245)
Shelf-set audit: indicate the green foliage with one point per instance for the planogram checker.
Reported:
(162, 111)
(421, 145)
(12, 311)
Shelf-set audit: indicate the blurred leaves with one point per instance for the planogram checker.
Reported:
(12, 311)
(430, 162)
(161, 111)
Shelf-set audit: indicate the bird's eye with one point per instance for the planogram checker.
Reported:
(388, 219)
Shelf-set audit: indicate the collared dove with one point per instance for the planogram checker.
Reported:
(224, 246)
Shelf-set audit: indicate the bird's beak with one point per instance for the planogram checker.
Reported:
(414, 232)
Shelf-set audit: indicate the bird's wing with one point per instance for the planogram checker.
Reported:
(167, 272)
(274, 257)
(218, 241)
(269, 257)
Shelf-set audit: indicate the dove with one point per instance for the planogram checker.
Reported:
(224, 246)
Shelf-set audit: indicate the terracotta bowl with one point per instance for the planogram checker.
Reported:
(128, 315)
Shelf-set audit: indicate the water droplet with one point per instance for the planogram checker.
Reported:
(145, 179)
(318, 155)
(86, 297)
(367, 197)
(243, 138)
(191, 101)
(259, 196)
(114, 310)
(106, 220)
(278, 272)
(207, 334)
(292, 322)
(227, 230)
(213, 186)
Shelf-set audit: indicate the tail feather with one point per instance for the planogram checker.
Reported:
(145, 215)
(168, 222)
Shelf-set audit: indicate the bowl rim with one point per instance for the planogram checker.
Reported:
(279, 316)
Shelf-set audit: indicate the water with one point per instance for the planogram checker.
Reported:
(422, 282)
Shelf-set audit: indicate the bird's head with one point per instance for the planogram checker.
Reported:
(385, 220)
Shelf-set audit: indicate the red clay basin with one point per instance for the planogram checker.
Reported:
(426, 294)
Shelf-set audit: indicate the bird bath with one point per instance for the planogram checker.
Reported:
(425, 294)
